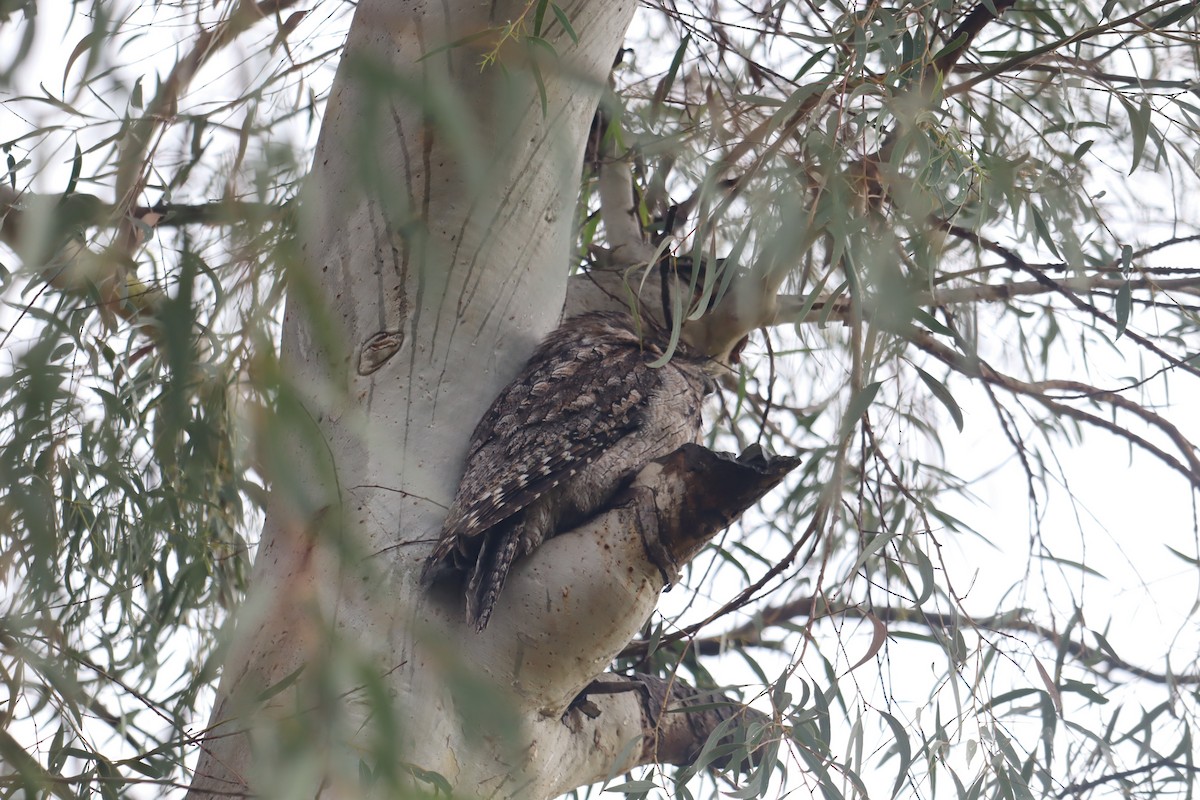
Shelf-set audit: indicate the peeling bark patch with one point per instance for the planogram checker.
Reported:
(377, 349)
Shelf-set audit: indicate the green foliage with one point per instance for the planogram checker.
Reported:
(972, 225)
(128, 404)
(971, 222)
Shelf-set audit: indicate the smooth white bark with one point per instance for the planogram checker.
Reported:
(436, 238)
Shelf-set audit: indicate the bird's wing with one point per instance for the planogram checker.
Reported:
(544, 428)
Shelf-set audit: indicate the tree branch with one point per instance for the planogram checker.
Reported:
(1079, 788)
(1037, 52)
(669, 736)
(791, 306)
(972, 25)
(136, 143)
(815, 609)
(618, 204)
(1038, 392)
(74, 213)
(1016, 262)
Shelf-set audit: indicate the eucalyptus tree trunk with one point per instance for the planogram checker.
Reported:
(435, 234)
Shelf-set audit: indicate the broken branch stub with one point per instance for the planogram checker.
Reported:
(696, 493)
(578, 600)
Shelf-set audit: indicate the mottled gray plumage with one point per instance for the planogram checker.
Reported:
(585, 413)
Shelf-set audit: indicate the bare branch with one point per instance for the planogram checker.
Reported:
(79, 211)
(791, 306)
(1079, 788)
(815, 609)
(1038, 392)
(1018, 62)
(1059, 286)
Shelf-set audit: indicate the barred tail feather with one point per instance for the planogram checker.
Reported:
(487, 577)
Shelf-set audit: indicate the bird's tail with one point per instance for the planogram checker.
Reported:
(488, 574)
